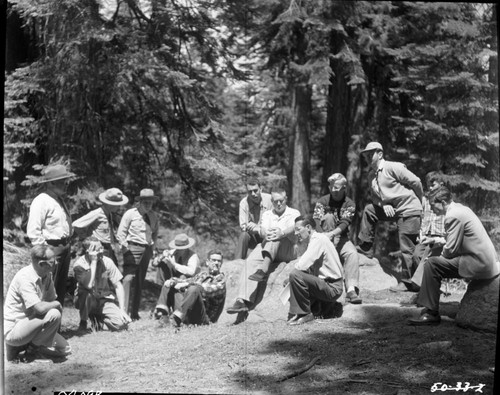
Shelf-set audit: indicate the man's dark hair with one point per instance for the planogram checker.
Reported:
(215, 251)
(434, 176)
(253, 181)
(89, 240)
(278, 189)
(306, 220)
(39, 252)
(440, 195)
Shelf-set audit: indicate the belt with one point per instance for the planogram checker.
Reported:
(58, 242)
(138, 244)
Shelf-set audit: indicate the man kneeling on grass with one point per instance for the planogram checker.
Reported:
(99, 293)
(317, 275)
(32, 315)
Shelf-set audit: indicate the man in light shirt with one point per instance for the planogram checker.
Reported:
(49, 223)
(252, 207)
(137, 236)
(32, 315)
(277, 230)
(317, 275)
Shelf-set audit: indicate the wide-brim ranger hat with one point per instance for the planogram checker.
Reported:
(55, 173)
(147, 194)
(372, 146)
(181, 242)
(113, 197)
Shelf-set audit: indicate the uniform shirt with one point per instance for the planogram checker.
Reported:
(343, 212)
(321, 258)
(97, 223)
(106, 276)
(284, 221)
(252, 212)
(134, 228)
(397, 186)
(48, 220)
(432, 224)
(26, 290)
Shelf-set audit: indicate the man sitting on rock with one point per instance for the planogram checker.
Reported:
(334, 214)
(32, 315)
(317, 275)
(277, 229)
(468, 253)
(203, 295)
(99, 293)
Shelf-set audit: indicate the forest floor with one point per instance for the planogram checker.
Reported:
(370, 349)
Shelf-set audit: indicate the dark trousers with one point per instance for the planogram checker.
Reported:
(135, 266)
(193, 308)
(60, 273)
(305, 289)
(408, 230)
(421, 253)
(436, 268)
(246, 241)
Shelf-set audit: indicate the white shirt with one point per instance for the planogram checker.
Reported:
(47, 220)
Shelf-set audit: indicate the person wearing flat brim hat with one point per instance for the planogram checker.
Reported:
(372, 146)
(180, 261)
(49, 222)
(137, 235)
(113, 197)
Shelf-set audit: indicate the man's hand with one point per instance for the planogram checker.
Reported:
(389, 211)
(274, 234)
(336, 240)
(51, 316)
(168, 283)
(244, 227)
(427, 240)
(439, 241)
(125, 317)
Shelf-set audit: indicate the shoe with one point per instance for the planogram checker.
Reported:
(410, 285)
(175, 321)
(401, 287)
(366, 249)
(12, 352)
(241, 317)
(52, 351)
(294, 317)
(238, 307)
(258, 276)
(352, 297)
(303, 319)
(135, 317)
(159, 313)
(82, 326)
(425, 319)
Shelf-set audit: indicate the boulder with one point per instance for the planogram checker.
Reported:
(479, 307)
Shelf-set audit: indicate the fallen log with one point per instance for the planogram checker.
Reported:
(299, 372)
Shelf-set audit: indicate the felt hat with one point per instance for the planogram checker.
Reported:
(147, 194)
(113, 197)
(54, 173)
(181, 242)
(372, 146)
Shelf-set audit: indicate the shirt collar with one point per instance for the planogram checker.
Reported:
(381, 164)
(34, 274)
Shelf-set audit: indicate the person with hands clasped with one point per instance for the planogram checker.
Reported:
(99, 293)
(396, 196)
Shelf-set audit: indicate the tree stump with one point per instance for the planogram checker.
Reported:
(479, 306)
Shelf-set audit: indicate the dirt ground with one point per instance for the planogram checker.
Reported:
(369, 350)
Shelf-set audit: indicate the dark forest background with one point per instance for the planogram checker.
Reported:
(191, 97)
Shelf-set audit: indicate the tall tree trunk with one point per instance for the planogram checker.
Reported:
(299, 173)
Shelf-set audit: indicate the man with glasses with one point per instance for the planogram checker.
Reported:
(333, 214)
(32, 315)
(49, 222)
(251, 208)
(277, 230)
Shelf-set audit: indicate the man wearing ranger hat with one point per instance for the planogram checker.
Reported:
(49, 222)
(100, 222)
(137, 236)
(396, 196)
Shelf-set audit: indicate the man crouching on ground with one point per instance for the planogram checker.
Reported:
(317, 275)
(32, 315)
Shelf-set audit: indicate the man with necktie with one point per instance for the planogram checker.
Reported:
(49, 222)
(137, 236)
(396, 196)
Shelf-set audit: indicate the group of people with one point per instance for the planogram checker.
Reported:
(438, 239)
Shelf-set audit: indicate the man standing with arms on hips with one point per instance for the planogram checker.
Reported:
(137, 236)
(334, 214)
(317, 275)
(468, 253)
(49, 223)
(397, 196)
(251, 209)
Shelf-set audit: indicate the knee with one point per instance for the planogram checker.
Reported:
(295, 275)
(53, 315)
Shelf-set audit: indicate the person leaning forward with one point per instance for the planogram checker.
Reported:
(397, 197)
(277, 229)
(334, 214)
(317, 275)
(137, 236)
(32, 314)
(468, 253)
(101, 222)
(49, 222)
(252, 207)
